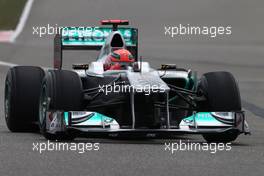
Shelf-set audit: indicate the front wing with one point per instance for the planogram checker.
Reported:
(95, 124)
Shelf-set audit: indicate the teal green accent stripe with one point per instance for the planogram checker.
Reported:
(202, 116)
(66, 118)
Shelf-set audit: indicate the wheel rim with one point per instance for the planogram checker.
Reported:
(43, 107)
(7, 99)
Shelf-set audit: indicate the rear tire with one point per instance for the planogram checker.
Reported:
(222, 95)
(22, 90)
(64, 89)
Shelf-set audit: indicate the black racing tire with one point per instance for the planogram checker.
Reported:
(64, 89)
(221, 137)
(222, 95)
(22, 91)
(221, 91)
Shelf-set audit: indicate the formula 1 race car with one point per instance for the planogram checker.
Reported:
(119, 94)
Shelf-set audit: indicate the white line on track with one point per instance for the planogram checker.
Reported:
(8, 64)
(22, 20)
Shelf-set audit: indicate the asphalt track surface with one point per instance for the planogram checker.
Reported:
(241, 53)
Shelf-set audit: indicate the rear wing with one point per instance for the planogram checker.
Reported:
(90, 38)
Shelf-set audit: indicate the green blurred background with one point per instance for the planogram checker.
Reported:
(10, 11)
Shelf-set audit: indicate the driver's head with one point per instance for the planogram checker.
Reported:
(119, 59)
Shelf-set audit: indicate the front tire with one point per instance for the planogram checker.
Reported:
(221, 137)
(222, 95)
(61, 90)
(22, 90)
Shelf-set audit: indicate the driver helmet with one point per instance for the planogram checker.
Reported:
(119, 60)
